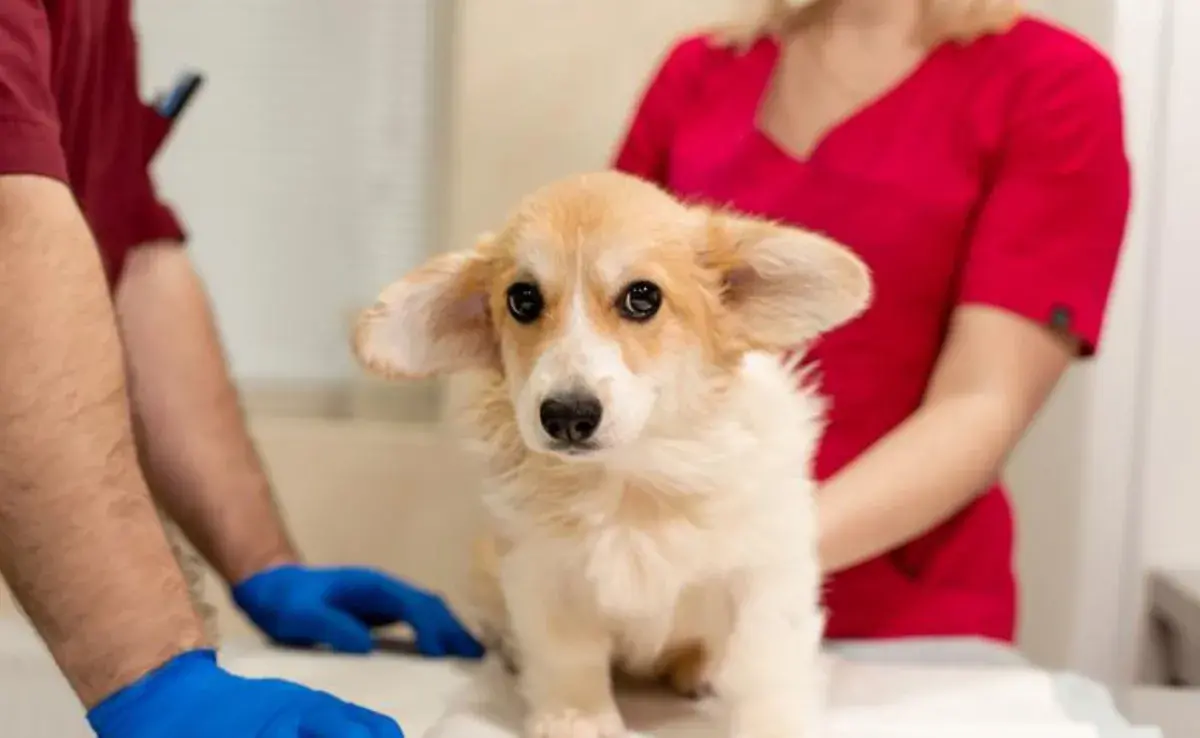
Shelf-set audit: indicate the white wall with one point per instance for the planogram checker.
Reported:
(1171, 477)
(1091, 18)
(543, 88)
(1168, 479)
(301, 170)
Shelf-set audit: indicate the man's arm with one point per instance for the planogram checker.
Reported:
(79, 540)
(206, 473)
(199, 458)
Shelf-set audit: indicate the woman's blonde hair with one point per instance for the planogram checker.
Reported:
(941, 20)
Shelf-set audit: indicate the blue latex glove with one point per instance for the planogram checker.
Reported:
(191, 697)
(302, 606)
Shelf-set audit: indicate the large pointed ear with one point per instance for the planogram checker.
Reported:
(785, 285)
(433, 321)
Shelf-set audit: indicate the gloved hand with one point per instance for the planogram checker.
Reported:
(191, 697)
(301, 606)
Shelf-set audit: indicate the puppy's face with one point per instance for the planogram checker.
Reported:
(610, 309)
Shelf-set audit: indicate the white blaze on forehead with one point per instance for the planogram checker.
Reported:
(613, 265)
(580, 357)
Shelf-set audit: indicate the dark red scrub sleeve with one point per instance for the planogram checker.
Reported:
(1047, 240)
(30, 141)
(645, 149)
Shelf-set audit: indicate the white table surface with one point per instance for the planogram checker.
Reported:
(36, 703)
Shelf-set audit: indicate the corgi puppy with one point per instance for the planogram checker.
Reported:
(648, 452)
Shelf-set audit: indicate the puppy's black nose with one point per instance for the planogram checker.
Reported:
(571, 418)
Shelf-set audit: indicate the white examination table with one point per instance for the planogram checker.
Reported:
(917, 689)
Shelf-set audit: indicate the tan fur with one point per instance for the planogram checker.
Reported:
(682, 547)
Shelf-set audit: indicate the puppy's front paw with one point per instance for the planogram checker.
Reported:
(574, 724)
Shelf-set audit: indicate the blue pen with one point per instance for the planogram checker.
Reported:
(171, 104)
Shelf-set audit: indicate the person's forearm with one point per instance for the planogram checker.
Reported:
(202, 465)
(80, 544)
(920, 475)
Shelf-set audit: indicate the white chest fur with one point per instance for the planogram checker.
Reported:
(640, 559)
(652, 542)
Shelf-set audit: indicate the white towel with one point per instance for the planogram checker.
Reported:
(864, 701)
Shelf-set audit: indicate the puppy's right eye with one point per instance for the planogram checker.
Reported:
(525, 302)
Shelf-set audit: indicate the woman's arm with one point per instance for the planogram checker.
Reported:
(200, 461)
(1031, 296)
(995, 372)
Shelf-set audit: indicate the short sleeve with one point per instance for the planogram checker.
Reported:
(30, 138)
(1046, 243)
(645, 149)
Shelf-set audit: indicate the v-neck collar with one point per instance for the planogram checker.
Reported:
(767, 55)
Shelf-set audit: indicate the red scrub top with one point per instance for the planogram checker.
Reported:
(994, 175)
(69, 109)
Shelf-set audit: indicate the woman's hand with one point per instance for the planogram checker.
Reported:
(996, 370)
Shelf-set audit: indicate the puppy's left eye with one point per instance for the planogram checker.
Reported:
(640, 301)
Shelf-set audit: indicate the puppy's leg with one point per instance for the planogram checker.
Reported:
(566, 655)
(485, 611)
(685, 669)
(770, 674)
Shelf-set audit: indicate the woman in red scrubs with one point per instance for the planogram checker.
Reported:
(975, 159)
